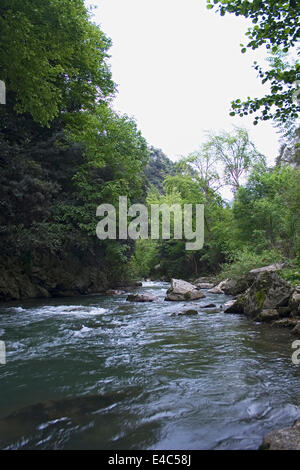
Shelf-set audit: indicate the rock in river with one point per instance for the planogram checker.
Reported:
(204, 285)
(141, 298)
(182, 290)
(188, 312)
(268, 292)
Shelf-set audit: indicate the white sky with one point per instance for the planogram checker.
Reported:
(178, 66)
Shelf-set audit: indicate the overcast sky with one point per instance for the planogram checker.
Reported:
(178, 66)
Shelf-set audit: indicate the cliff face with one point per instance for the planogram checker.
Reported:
(47, 275)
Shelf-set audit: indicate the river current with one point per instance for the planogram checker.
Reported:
(97, 372)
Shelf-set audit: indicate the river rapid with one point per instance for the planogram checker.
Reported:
(97, 372)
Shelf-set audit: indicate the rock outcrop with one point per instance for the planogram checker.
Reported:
(269, 299)
(238, 286)
(43, 275)
(267, 292)
(46, 275)
(182, 290)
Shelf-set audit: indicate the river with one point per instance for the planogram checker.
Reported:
(97, 372)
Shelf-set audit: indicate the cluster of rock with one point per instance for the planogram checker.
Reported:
(268, 298)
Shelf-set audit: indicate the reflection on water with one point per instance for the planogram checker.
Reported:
(98, 372)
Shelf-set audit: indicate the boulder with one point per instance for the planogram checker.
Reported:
(215, 290)
(268, 291)
(204, 285)
(284, 312)
(283, 439)
(234, 306)
(141, 298)
(267, 315)
(236, 286)
(229, 287)
(270, 268)
(188, 312)
(182, 290)
(208, 306)
(285, 323)
(294, 302)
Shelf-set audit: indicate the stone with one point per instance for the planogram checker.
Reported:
(285, 323)
(284, 312)
(234, 306)
(208, 306)
(188, 312)
(181, 290)
(267, 315)
(141, 298)
(270, 268)
(268, 291)
(228, 287)
(204, 285)
(283, 439)
(294, 302)
(236, 286)
(215, 290)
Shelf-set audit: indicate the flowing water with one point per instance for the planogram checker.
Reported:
(98, 372)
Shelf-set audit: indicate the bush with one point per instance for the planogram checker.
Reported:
(292, 275)
(245, 260)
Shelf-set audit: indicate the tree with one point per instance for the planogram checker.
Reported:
(267, 211)
(236, 153)
(275, 25)
(202, 164)
(53, 58)
(63, 151)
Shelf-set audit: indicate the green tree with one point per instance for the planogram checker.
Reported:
(236, 153)
(53, 58)
(275, 26)
(267, 211)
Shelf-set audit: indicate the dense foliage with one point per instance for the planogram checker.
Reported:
(63, 151)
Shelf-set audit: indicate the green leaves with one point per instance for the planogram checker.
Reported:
(276, 26)
(52, 57)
